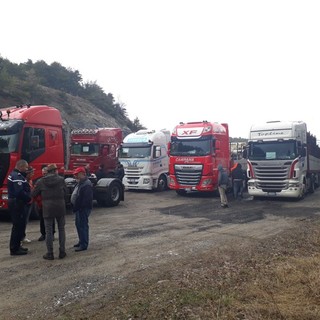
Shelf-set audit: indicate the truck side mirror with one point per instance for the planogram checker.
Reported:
(158, 152)
(303, 152)
(169, 147)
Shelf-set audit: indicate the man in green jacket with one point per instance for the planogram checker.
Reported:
(52, 189)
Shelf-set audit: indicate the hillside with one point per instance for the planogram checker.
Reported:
(77, 111)
(81, 104)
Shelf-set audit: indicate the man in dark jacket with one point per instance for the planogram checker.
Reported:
(238, 177)
(81, 200)
(222, 186)
(119, 172)
(52, 189)
(18, 198)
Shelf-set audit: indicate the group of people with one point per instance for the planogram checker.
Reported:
(49, 197)
(237, 176)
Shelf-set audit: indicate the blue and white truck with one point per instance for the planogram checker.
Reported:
(144, 156)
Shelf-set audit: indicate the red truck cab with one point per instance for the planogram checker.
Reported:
(29, 133)
(196, 149)
(95, 147)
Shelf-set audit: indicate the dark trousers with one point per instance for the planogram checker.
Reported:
(49, 222)
(42, 226)
(17, 210)
(82, 225)
(237, 188)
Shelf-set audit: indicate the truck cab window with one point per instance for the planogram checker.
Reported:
(33, 144)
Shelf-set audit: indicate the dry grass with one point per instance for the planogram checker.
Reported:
(276, 278)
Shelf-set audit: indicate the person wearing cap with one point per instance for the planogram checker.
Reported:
(81, 200)
(53, 190)
(18, 198)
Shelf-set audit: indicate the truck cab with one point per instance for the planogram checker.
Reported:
(144, 156)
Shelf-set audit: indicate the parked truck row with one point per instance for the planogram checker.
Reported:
(282, 159)
(38, 135)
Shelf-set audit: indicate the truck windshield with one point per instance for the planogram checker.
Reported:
(9, 135)
(194, 147)
(135, 152)
(273, 150)
(85, 149)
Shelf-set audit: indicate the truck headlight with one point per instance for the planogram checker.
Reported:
(4, 196)
(146, 181)
(206, 182)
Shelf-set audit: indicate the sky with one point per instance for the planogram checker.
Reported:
(170, 61)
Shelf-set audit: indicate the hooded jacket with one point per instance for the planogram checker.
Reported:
(53, 190)
(223, 178)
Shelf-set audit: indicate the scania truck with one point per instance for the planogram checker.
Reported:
(144, 156)
(283, 160)
(37, 135)
(196, 150)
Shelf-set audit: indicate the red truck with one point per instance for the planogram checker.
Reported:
(94, 148)
(196, 149)
(37, 134)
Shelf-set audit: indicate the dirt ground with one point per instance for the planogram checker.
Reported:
(145, 234)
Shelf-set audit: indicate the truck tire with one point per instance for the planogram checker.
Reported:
(162, 183)
(111, 194)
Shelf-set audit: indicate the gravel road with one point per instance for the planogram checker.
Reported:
(143, 232)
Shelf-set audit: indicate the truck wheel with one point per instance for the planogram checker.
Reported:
(162, 183)
(113, 195)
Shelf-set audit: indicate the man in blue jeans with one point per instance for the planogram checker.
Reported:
(81, 200)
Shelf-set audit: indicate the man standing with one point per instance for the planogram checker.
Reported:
(38, 202)
(222, 186)
(81, 200)
(238, 177)
(18, 198)
(52, 189)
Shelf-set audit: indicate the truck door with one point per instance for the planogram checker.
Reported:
(33, 143)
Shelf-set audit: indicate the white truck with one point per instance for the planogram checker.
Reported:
(144, 156)
(283, 160)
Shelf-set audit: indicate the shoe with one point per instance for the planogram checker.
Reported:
(26, 240)
(18, 252)
(62, 255)
(77, 245)
(23, 249)
(48, 256)
(42, 238)
(80, 249)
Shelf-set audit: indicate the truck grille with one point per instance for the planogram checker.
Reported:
(271, 178)
(188, 175)
(133, 174)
